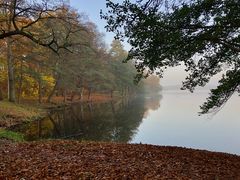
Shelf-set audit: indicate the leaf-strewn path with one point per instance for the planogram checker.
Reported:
(75, 160)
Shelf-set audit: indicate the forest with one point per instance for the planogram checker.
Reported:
(65, 57)
(76, 104)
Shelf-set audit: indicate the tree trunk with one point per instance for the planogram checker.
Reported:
(64, 95)
(11, 80)
(90, 109)
(10, 63)
(89, 93)
(72, 95)
(127, 91)
(20, 83)
(81, 94)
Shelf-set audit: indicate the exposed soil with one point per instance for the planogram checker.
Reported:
(76, 160)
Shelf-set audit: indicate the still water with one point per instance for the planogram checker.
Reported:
(170, 118)
(176, 123)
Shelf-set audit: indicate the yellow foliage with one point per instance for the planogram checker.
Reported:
(49, 80)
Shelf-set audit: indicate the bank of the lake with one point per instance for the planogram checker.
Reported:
(97, 160)
(30, 109)
(15, 114)
(12, 113)
(83, 160)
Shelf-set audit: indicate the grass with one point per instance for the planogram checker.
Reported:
(17, 137)
(24, 112)
(12, 114)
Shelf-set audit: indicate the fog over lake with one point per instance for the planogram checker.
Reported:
(176, 123)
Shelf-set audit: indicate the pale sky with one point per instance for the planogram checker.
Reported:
(92, 9)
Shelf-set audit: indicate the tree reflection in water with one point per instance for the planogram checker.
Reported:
(111, 121)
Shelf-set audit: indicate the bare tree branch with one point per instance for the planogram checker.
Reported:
(26, 16)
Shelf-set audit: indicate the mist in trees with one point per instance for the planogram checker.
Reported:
(201, 34)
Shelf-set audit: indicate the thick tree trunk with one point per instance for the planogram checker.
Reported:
(10, 63)
(11, 80)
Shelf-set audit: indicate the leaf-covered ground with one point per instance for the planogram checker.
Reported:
(76, 160)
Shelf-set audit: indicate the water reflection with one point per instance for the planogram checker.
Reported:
(112, 121)
(175, 123)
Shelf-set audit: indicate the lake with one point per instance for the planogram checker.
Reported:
(168, 119)
(176, 123)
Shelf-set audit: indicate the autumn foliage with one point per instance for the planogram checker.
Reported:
(76, 160)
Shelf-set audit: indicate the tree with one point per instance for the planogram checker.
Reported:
(124, 72)
(46, 23)
(3, 74)
(202, 34)
(21, 18)
(117, 51)
(76, 70)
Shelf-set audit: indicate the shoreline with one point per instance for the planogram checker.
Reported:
(68, 159)
(30, 109)
(14, 114)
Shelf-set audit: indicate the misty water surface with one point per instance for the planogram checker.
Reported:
(177, 123)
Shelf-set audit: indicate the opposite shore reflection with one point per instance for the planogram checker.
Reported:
(112, 121)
